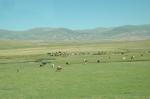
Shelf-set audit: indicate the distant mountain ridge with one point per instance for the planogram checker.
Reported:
(128, 32)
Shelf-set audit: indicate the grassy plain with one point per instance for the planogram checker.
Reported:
(21, 77)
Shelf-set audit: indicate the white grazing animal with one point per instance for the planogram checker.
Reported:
(124, 58)
(53, 65)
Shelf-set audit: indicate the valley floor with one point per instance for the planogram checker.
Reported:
(115, 76)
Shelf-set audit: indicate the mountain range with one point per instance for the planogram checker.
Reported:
(127, 32)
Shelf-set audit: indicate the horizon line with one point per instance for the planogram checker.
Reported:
(59, 27)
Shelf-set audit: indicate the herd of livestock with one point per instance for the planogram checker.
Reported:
(85, 61)
(130, 58)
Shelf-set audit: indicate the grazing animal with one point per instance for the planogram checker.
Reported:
(132, 57)
(85, 61)
(141, 54)
(123, 58)
(59, 68)
(98, 61)
(122, 53)
(41, 65)
(67, 63)
(53, 65)
(44, 63)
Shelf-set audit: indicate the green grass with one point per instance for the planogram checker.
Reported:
(112, 78)
(77, 81)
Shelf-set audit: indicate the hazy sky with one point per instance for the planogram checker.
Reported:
(74, 14)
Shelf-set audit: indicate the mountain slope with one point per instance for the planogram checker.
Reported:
(128, 32)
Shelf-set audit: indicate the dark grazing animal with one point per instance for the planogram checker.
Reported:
(98, 61)
(67, 63)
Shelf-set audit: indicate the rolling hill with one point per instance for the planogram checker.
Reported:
(128, 32)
